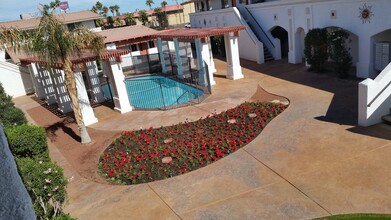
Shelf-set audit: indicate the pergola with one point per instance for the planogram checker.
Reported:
(201, 38)
(50, 85)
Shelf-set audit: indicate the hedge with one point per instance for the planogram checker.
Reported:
(28, 141)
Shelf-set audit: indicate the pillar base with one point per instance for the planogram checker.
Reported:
(90, 121)
(234, 73)
(120, 108)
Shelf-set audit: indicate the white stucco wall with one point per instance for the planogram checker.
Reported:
(15, 80)
(308, 14)
(249, 46)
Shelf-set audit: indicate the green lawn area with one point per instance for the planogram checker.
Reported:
(357, 217)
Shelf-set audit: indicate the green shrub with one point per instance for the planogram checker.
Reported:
(12, 116)
(27, 141)
(338, 52)
(64, 216)
(46, 184)
(5, 99)
(315, 50)
(9, 114)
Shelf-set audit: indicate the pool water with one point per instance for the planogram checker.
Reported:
(150, 92)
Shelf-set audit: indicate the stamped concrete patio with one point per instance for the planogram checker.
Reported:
(310, 161)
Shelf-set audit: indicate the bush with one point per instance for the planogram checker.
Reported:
(315, 50)
(46, 184)
(27, 141)
(12, 116)
(9, 114)
(338, 52)
(4, 98)
(63, 216)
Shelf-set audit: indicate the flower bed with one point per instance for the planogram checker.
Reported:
(154, 154)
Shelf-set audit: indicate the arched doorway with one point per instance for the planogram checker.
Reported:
(282, 34)
(299, 45)
(381, 50)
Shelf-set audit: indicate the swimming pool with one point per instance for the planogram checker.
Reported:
(151, 92)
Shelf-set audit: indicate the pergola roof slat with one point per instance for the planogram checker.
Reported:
(86, 56)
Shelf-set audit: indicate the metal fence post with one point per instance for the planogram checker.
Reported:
(161, 90)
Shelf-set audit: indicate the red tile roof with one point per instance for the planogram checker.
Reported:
(67, 18)
(126, 33)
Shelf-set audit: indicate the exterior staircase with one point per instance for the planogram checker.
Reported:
(266, 53)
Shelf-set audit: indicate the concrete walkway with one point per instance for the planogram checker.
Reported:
(310, 161)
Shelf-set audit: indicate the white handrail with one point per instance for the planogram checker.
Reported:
(375, 98)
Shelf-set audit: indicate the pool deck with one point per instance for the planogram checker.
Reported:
(310, 161)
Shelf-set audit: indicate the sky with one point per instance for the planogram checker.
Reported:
(10, 10)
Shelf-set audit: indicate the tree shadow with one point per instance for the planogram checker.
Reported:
(64, 126)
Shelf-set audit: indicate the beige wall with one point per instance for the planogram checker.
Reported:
(188, 9)
(175, 18)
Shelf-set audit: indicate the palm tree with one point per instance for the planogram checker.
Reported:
(143, 16)
(99, 5)
(129, 20)
(112, 9)
(105, 11)
(163, 5)
(149, 3)
(52, 42)
(116, 9)
(161, 17)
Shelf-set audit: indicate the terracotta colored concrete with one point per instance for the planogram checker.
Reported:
(311, 161)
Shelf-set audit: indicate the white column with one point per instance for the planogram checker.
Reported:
(200, 63)
(178, 58)
(92, 71)
(161, 55)
(120, 95)
(86, 109)
(234, 70)
(63, 100)
(37, 82)
(47, 85)
(189, 53)
(206, 57)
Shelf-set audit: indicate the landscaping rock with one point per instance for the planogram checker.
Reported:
(285, 102)
(167, 160)
(168, 140)
(200, 131)
(252, 115)
(232, 121)
(276, 101)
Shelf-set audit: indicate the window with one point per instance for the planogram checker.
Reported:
(133, 47)
(151, 44)
(209, 5)
(72, 26)
(224, 4)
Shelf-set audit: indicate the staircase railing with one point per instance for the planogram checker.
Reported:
(273, 45)
(374, 98)
(259, 26)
